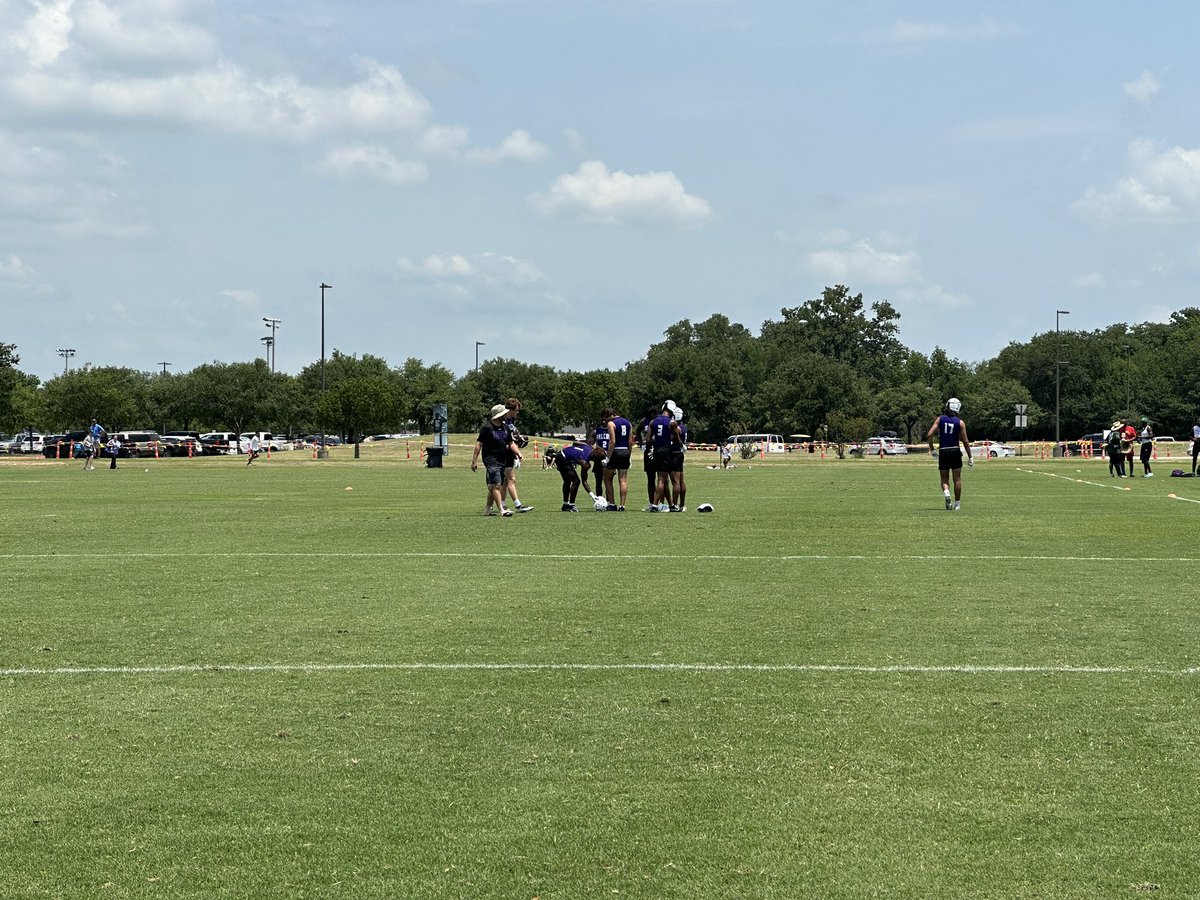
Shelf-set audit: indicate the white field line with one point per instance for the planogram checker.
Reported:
(751, 668)
(599, 557)
(1184, 499)
(1111, 487)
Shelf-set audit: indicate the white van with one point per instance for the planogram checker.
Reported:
(770, 443)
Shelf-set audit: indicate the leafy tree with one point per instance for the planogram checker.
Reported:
(421, 387)
(836, 326)
(236, 395)
(14, 385)
(533, 385)
(115, 396)
(907, 406)
(359, 405)
(807, 390)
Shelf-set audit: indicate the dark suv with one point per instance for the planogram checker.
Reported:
(64, 446)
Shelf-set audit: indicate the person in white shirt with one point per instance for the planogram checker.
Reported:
(253, 449)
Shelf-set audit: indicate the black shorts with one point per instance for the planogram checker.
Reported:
(648, 463)
(949, 459)
(675, 461)
(566, 468)
(618, 460)
(663, 460)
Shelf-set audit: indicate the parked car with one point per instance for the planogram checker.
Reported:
(889, 446)
(1166, 440)
(175, 445)
(220, 441)
(266, 440)
(141, 443)
(64, 446)
(992, 448)
(1093, 443)
(26, 443)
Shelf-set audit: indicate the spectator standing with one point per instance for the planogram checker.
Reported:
(113, 449)
(495, 446)
(1147, 441)
(514, 458)
(1195, 443)
(89, 451)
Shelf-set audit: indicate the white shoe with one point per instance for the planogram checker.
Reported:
(957, 506)
(1148, 475)
(948, 501)
(524, 509)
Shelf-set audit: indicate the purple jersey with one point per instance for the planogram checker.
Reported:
(576, 453)
(624, 429)
(660, 431)
(601, 439)
(949, 432)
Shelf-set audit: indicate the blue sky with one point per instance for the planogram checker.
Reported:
(563, 180)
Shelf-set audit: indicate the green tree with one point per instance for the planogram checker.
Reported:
(807, 389)
(359, 405)
(236, 395)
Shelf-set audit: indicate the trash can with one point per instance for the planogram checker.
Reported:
(433, 457)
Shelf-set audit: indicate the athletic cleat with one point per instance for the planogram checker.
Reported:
(573, 508)
(948, 502)
(488, 512)
(507, 512)
(672, 509)
(957, 506)
(1148, 475)
(524, 509)
(620, 509)
(566, 507)
(651, 508)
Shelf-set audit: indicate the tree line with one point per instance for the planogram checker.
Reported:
(832, 367)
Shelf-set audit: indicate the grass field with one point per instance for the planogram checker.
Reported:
(230, 682)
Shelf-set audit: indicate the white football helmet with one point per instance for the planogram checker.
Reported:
(954, 405)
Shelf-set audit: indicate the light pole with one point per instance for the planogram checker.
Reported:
(268, 342)
(1058, 313)
(66, 353)
(272, 324)
(324, 288)
(478, 344)
(164, 365)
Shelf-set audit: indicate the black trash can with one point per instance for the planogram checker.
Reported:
(433, 457)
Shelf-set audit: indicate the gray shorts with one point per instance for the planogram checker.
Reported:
(493, 473)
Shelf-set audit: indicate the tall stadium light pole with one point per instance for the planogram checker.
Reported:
(272, 324)
(164, 365)
(324, 287)
(268, 342)
(66, 353)
(1058, 314)
(478, 344)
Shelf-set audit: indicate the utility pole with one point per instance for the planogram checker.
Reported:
(273, 324)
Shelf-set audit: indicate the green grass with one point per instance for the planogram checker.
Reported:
(221, 682)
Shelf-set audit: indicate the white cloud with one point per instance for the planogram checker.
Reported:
(575, 140)
(444, 140)
(906, 32)
(1088, 280)
(14, 268)
(1162, 186)
(1143, 88)
(489, 269)
(593, 193)
(450, 265)
(517, 147)
(225, 98)
(145, 31)
(883, 262)
(45, 35)
(241, 297)
(863, 262)
(373, 163)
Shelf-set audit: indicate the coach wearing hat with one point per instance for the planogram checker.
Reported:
(494, 444)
